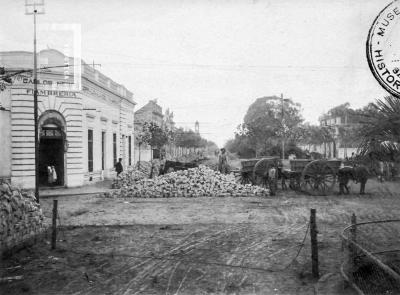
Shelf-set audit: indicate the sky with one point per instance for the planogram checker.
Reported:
(209, 60)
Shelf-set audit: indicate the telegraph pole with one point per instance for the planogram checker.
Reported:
(32, 7)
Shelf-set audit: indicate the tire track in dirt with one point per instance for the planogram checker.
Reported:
(165, 265)
(215, 240)
(127, 266)
(242, 252)
(149, 267)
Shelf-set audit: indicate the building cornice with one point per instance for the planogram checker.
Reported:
(10, 59)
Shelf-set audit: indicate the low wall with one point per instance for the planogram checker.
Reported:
(21, 218)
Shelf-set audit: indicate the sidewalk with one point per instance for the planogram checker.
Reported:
(93, 188)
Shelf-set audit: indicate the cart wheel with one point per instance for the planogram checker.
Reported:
(318, 178)
(260, 173)
(243, 177)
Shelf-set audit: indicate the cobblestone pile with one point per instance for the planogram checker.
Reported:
(129, 177)
(132, 174)
(194, 182)
(21, 218)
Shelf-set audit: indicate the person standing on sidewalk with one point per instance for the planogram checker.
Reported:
(118, 167)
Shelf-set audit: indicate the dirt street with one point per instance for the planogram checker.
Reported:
(192, 246)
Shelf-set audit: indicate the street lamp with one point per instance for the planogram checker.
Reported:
(35, 7)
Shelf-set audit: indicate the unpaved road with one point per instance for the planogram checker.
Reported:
(192, 246)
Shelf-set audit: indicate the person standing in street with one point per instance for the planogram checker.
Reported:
(272, 180)
(381, 171)
(222, 162)
(118, 167)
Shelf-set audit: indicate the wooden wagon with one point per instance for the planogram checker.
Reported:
(316, 177)
(253, 171)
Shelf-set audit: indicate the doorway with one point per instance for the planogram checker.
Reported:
(51, 157)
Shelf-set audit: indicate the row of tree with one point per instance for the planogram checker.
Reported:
(269, 121)
(155, 136)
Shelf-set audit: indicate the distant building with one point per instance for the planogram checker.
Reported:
(150, 112)
(85, 124)
(169, 120)
(340, 119)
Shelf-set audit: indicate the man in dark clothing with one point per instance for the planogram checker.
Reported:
(118, 167)
(344, 176)
(223, 162)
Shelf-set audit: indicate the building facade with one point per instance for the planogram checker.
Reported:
(150, 112)
(85, 122)
(340, 125)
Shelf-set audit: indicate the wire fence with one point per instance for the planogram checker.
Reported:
(372, 256)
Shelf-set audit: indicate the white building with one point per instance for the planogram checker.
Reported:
(85, 122)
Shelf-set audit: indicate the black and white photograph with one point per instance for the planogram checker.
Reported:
(184, 147)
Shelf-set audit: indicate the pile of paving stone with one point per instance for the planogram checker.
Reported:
(141, 170)
(20, 217)
(194, 182)
(150, 168)
(129, 177)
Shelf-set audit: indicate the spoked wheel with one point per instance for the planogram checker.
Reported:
(318, 178)
(260, 173)
(242, 177)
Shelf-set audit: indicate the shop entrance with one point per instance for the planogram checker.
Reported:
(51, 150)
(51, 158)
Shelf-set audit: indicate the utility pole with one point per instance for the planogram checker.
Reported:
(35, 7)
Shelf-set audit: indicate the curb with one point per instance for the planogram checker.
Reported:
(70, 194)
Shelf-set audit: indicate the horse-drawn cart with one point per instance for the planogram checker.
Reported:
(254, 171)
(316, 177)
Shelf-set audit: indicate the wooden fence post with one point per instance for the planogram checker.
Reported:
(314, 244)
(54, 232)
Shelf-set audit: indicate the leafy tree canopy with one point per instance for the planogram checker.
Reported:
(153, 135)
(189, 139)
(269, 119)
(380, 131)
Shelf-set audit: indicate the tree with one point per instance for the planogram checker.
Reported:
(188, 139)
(318, 135)
(349, 135)
(381, 129)
(191, 139)
(311, 135)
(142, 137)
(269, 121)
(153, 135)
(159, 136)
(241, 146)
